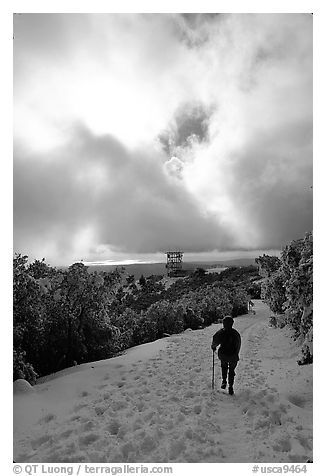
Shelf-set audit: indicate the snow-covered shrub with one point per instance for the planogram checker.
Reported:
(23, 369)
(167, 316)
(145, 329)
(273, 291)
(60, 316)
(272, 321)
(289, 290)
(126, 323)
(239, 299)
(192, 319)
(307, 348)
(268, 265)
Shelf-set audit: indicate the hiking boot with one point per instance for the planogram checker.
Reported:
(223, 385)
(231, 392)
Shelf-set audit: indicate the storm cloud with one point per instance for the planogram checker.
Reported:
(138, 133)
(93, 190)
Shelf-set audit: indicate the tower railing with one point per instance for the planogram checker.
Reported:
(174, 262)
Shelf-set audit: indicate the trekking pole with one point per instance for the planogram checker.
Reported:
(213, 370)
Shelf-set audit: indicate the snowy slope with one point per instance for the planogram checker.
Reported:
(155, 404)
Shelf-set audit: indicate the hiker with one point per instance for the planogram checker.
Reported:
(250, 307)
(229, 341)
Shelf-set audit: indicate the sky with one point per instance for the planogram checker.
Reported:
(139, 133)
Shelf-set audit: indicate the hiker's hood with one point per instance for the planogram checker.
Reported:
(228, 322)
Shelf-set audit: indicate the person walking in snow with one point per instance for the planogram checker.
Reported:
(229, 341)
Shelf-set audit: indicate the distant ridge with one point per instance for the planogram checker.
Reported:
(240, 262)
(148, 269)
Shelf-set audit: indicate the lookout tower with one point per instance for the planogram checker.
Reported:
(174, 263)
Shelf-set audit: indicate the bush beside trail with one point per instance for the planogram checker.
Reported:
(288, 290)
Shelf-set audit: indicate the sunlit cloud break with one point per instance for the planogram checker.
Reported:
(138, 133)
(117, 263)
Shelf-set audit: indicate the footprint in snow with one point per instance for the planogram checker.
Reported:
(79, 406)
(87, 439)
(282, 445)
(297, 400)
(47, 418)
(89, 425)
(118, 366)
(84, 394)
(75, 418)
(41, 441)
(65, 433)
(119, 405)
(99, 410)
(304, 442)
(113, 426)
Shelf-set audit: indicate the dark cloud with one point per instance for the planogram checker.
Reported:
(270, 182)
(131, 204)
(193, 29)
(47, 36)
(190, 121)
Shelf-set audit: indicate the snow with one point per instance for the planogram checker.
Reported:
(217, 269)
(22, 386)
(155, 404)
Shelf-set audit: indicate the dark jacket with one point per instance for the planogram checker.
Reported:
(229, 341)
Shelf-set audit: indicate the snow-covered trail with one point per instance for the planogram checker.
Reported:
(155, 404)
